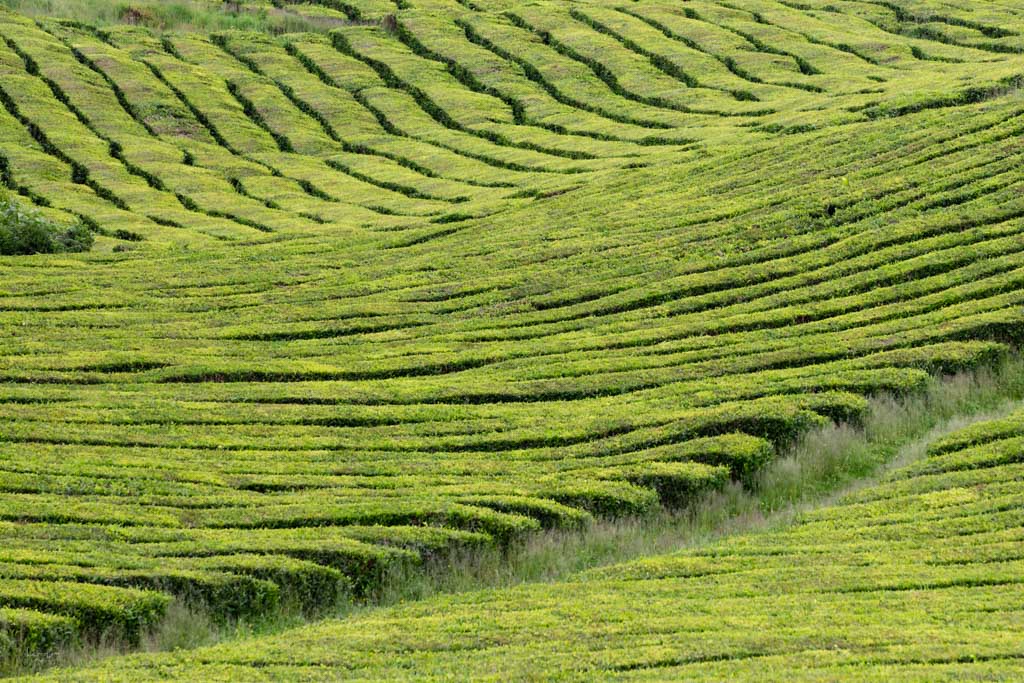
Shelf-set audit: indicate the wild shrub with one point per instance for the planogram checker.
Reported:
(23, 231)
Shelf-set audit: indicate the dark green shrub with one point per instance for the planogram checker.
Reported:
(23, 231)
(76, 238)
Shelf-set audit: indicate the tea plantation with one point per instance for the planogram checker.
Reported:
(918, 578)
(431, 276)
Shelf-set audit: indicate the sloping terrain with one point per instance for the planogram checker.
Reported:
(919, 577)
(452, 273)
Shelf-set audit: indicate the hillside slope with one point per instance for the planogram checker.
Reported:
(919, 577)
(439, 280)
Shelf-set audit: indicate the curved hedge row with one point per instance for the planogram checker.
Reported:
(918, 577)
(440, 276)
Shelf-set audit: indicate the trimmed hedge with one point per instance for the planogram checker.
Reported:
(449, 274)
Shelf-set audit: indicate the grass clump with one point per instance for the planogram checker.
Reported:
(23, 231)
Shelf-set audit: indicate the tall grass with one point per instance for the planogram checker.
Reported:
(824, 464)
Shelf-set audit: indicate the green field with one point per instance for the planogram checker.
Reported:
(376, 285)
(917, 578)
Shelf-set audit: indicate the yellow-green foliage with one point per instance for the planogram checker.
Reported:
(917, 577)
(439, 275)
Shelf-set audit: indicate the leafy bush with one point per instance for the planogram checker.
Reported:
(28, 232)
